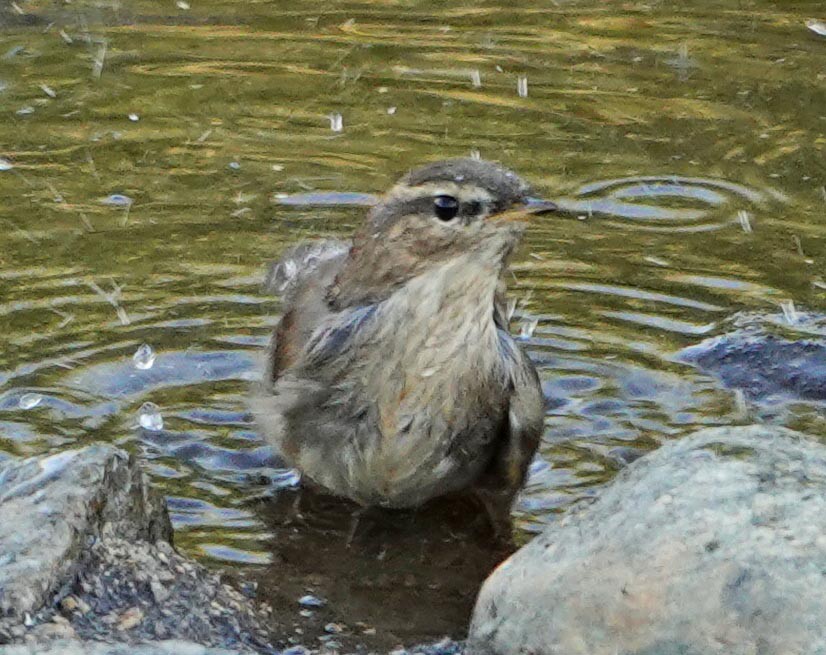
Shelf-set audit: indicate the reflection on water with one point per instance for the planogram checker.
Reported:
(378, 578)
(153, 160)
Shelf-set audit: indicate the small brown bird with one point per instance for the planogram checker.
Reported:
(392, 378)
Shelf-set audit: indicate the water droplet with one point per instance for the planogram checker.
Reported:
(511, 308)
(745, 221)
(149, 417)
(311, 601)
(528, 327)
(789, 312)
(29, 400)
(286, 478)
(336, 122)
(144, 357)
(817, 26)
(116, 200)
(522, 86)
(5, 165)
(134, 118)
(476, 79)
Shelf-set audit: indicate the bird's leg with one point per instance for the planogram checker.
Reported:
(355, 519)
(497, 504)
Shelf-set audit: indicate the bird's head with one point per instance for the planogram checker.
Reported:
(433, 214)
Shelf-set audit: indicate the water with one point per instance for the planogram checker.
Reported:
(688, 141)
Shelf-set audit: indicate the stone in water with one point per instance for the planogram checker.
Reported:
(149, 417)
(522, 86)
(144, 357)
(29, 400)
(336, 122)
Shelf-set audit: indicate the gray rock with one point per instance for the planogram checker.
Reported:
(74, 647)
(86, 554)
(766, 357)
(715, 543)
(50, 507)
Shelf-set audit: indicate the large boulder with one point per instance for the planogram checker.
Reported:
(50, 508)
(86, 556)
(715, 543)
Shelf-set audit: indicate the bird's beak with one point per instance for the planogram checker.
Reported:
(524, 212)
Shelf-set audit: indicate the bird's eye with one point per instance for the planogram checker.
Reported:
(445, 207)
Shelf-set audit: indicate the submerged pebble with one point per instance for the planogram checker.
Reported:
(149, 417)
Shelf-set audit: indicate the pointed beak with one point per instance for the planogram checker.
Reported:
(524, 212)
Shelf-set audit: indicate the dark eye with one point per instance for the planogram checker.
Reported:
(445, 207)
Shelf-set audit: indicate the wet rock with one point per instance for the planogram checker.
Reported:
(51, 507)
(767, 357)
(89, 558)
(712, 544)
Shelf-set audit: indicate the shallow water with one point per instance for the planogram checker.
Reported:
(154, 158)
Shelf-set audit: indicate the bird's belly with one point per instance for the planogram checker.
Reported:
(403, 469)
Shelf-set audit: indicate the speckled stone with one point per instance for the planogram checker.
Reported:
(50, 508)
(715, 543)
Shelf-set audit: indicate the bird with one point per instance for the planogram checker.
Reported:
(391, 377)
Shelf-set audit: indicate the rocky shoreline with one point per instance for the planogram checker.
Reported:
(712, 544)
